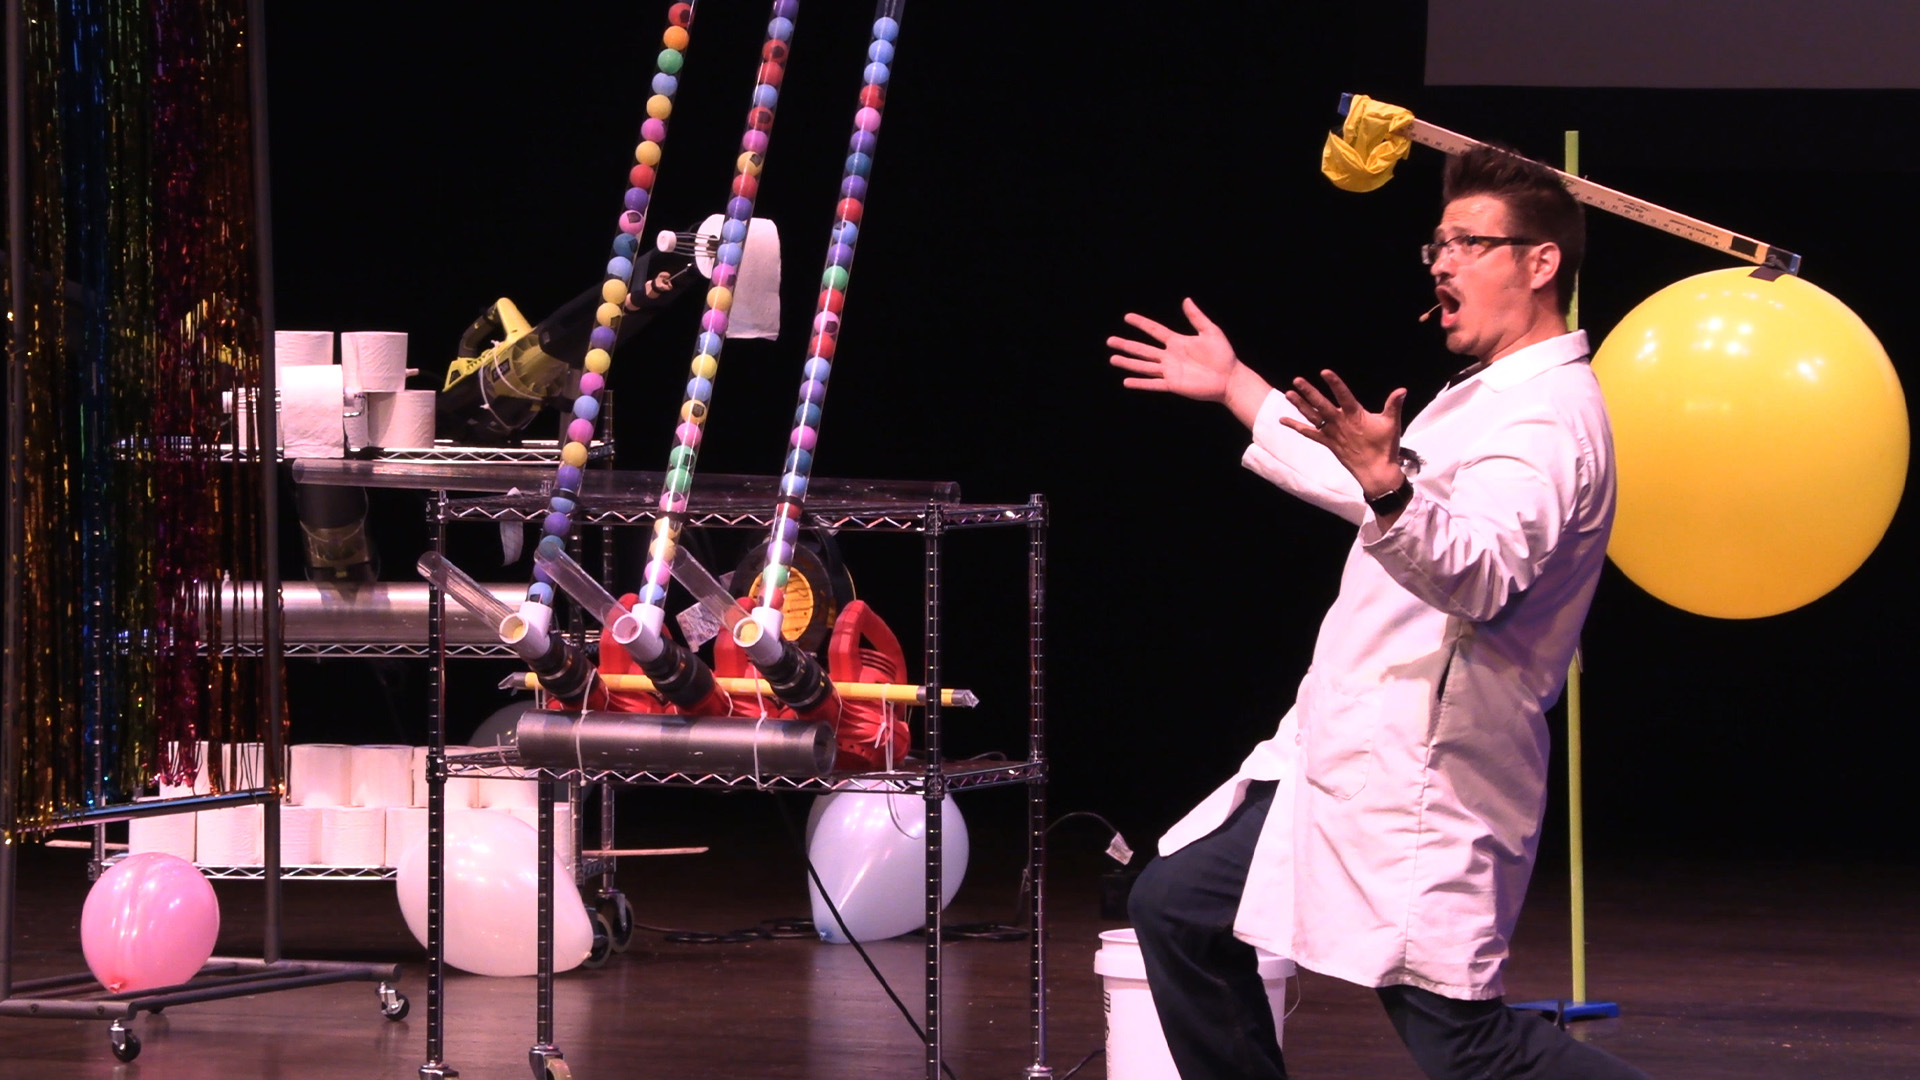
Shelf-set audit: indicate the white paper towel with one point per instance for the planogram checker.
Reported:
(229, 837)
(311, 424)
(406, 826)
(400, 421)
(300, 835)
(374, 360)
(353, 836)
(321, 775)
(459, 788)
(302, 348)
(563, 845)
(168, 834)
(497, 793)
(382, 776)
(756, 294)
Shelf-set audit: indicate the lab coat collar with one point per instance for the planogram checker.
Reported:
(1516, 368)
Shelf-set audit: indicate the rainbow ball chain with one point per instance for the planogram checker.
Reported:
(616, 290)
(797, 469)
(694, 407)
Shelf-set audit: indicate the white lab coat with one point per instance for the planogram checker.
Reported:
(1407, 818)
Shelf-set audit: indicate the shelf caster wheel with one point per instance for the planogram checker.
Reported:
(393, 1003)
(618, 911)
(557, 1069)
(602, 941)
(126, 1045)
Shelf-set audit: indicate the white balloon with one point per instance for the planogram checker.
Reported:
(492, 891)
(870, 850)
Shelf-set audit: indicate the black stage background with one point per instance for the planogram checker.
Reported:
(1043, 171)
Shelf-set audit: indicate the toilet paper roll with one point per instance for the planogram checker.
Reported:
(406, 826)
(168, 834)
(460, 789)
(499, 793)
(302, 348)
(401, 421)
(228, 837)
(199, 785)
(374, 361)
(756, 293)
(311, 423)
(242, 765)
(321, 775)
(382, 776)
(563, 845)
(300, 835)
(353, 836)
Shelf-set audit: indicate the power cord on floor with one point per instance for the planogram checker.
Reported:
(786, 818)
(1094, 1053)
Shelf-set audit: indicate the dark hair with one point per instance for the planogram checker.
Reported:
(1536, 201)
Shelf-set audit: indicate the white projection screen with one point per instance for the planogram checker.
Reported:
(1676, 44)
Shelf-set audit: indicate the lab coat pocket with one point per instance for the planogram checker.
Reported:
(1337, 740)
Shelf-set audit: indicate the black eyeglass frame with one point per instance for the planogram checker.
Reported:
(1430, 253)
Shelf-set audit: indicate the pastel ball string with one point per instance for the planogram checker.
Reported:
(797, 469)
(616, 289)
(695, 406)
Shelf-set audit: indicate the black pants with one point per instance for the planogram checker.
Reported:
(1213, 1005)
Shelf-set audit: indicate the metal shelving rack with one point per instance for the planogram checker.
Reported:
(931, 511)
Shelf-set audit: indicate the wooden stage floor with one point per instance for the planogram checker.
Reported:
(1787, 972)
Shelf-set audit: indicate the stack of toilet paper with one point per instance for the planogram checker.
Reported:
(358, 807)
(327, 409)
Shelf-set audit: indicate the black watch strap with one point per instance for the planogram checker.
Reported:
(1393, 501)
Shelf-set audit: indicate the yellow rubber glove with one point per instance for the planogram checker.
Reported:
(1362, 157)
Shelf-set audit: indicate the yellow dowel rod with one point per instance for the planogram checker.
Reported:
(1576, 825)
(896, 693)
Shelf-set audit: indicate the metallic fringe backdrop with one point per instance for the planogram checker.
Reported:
(141, 310)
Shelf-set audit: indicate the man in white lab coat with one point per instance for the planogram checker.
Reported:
(1386, 833)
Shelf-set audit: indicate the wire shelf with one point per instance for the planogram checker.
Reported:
(866, 518)
(501, 764)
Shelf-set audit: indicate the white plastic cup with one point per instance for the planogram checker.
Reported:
(1136, 1047)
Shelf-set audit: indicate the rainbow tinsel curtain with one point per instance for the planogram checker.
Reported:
(139, 309)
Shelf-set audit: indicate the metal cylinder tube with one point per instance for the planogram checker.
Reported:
(379, 613)
(616, 741)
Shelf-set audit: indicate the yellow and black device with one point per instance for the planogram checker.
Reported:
(500, 379)
(507, 369)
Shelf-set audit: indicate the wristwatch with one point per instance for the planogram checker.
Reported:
(1393, 501)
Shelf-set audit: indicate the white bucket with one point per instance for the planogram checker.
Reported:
(1136, 1049)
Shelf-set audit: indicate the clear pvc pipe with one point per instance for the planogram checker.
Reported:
(551, 555)
(835, 277)
(527, 639)
(705, 367)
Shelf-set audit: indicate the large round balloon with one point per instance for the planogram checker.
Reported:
(151, 920)
(492, 891)
(870, 850)
(1761, 438)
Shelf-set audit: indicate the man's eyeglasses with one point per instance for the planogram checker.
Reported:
(1475, 246)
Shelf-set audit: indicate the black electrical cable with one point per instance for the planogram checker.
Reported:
(786, 818)
(1096, 1052)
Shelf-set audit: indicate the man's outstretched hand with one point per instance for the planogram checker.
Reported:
(1201, 365)
(1367, 443)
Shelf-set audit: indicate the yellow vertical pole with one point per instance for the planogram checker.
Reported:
(1576, 838)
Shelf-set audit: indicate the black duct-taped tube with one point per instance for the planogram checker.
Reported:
(797, 679)
(679, 676)
(564, 670)
(617, 741)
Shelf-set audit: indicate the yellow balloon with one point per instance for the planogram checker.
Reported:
(1761, 440)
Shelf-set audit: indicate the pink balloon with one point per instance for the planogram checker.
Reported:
(151, 920)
